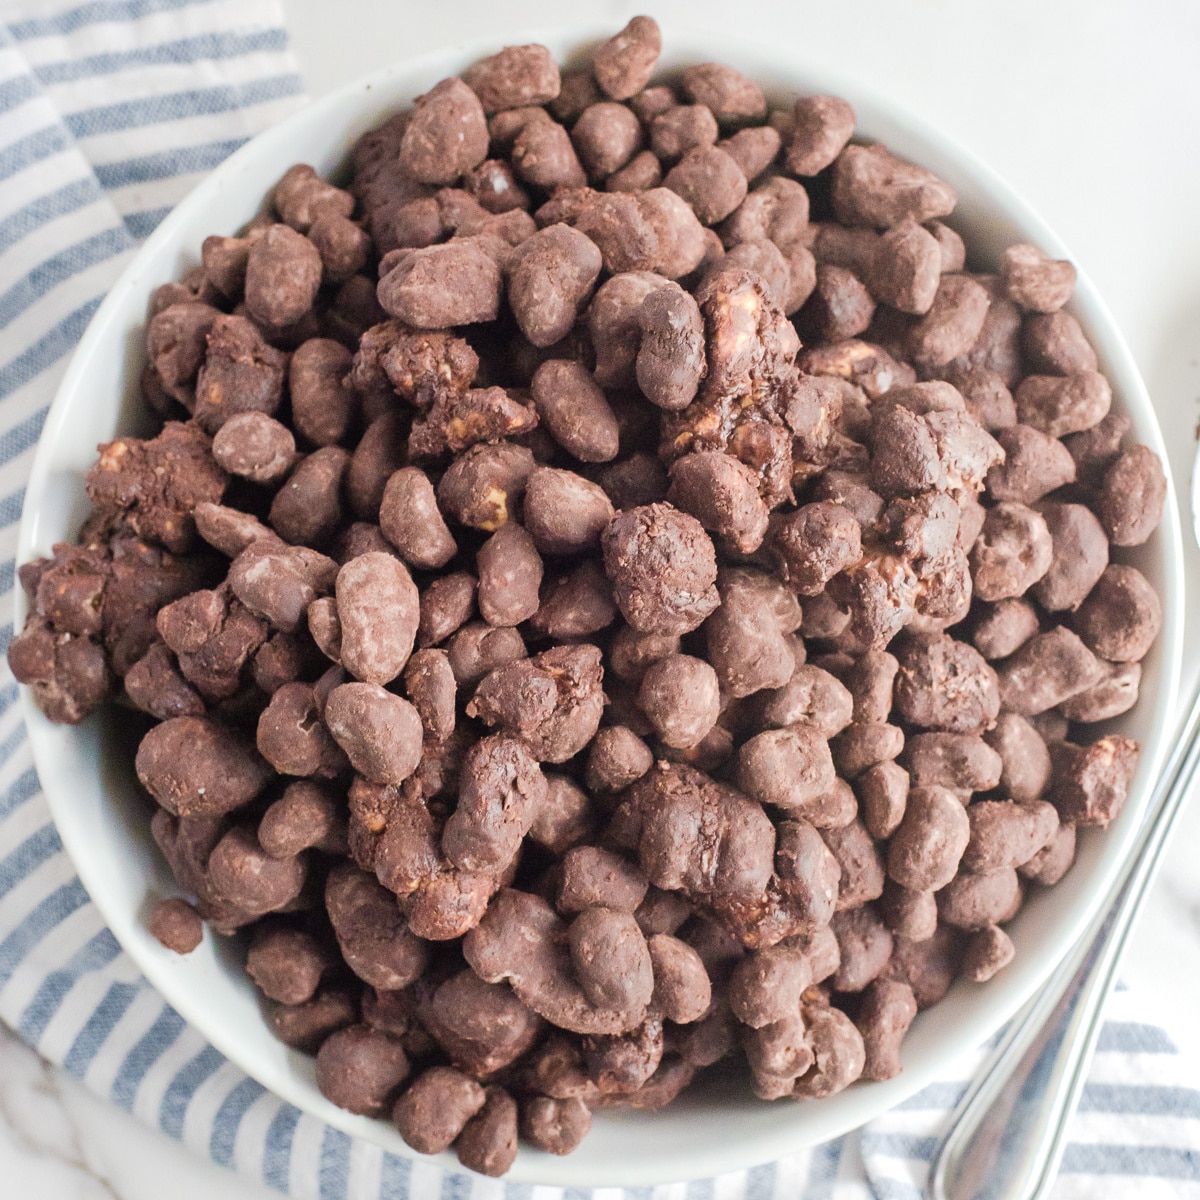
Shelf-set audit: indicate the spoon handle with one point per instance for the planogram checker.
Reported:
(1008, 1133)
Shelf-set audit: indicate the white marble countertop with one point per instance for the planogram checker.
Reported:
(1090, 108)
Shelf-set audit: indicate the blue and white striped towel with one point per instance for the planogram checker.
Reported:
(109, 112)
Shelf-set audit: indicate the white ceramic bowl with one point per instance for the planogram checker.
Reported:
(103, 819)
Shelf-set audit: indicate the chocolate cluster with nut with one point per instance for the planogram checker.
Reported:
(612, 590)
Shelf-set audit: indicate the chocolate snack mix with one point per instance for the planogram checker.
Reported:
(614, 589)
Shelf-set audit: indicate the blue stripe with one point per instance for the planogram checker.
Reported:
(895, 1189)
(277, 1152)
(229, 1119)
(19, 438)
(32, 148)
(30, 363)
(823, 1169)
(1133, 1037)
(899, 1145)
(16, 91)
(99, 1027)
(183, 1087)
(1156, 1100)
(936, 1097)
(394, 1174)
(1160, 1162)
(10, 507)
(700, 1189)
(60, 267)
(760, 1182)
(5, 637)
(166, 164)
(22, 789)
(8, 697)
(455, 1186)
(995, 1039)
(67, 199)
(20, 863)
(98, 951)
(143, 224)
(184, 50)
(94, 14)
(150, 1047)
(42, 919)
(178, 106)
(11, 743)
(334, 1169)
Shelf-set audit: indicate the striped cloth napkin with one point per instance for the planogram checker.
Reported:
(109, 113)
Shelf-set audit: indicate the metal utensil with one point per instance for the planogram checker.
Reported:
(1009, 1131)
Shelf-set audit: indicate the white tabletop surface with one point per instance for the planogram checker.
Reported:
(1090, 108)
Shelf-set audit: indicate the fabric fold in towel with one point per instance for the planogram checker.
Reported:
(110, 112)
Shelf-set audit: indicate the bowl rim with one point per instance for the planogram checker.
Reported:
(810, 1126)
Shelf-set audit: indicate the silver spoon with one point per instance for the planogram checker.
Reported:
(1008, 1133)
